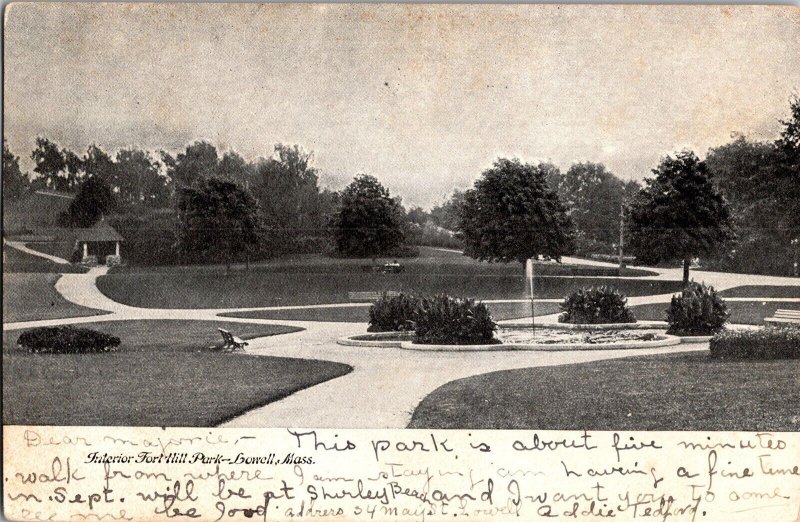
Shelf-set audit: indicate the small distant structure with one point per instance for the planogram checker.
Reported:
(97, 244)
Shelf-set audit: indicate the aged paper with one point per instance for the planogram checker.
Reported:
(425, 98)
(302, 474)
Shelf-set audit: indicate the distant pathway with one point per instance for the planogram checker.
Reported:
(386, 384)
(18, 245)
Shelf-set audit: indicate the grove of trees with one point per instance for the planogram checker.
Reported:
(761, 182)
(739, 209)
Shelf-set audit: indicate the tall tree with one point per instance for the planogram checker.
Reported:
(140, 180)
(15, 183)
(233, 167)
(50, 164)
(761, 181)
(286, 186)
(679, 215)
(512, 214)
(93, 201)
(97, 163)
(369, 222)
(594, 197)
(446, 213)
(197, 163)
(218, 220)
(73, 166)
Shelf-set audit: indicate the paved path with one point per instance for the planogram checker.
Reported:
(386, 384)
(18, 245)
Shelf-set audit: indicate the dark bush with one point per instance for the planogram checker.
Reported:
(392, 314)
(66, 339)
(769, 343)
(596, 306)
(697, 310)
(448, 320)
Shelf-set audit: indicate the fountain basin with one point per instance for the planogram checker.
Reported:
(520, 338)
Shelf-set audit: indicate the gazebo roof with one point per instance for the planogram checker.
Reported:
(101, 231)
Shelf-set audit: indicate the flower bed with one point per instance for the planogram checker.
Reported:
(547, 339)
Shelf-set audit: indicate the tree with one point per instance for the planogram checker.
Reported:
(50, 164)
(195, 165)
(679, 214)
(512, 214)
(139, 179)
(369, 221)
(418, 216)
(446, 214)
(234, 168)
(15, 183)
(74, 167)
(217, 220)
(93, 201)
(594, 197)
(761, 182)
(97, 163)
(286, 187)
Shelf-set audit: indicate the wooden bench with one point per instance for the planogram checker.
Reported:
(232, 342)
(369, 297)
(785, 317)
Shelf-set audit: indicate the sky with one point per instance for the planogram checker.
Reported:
(423, 97)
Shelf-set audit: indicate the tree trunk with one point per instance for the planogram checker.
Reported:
(529, 283)
(686, 263)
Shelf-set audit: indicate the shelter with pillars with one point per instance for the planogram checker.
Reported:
(99, 244)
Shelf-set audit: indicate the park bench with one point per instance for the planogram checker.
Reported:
(232, 342)
(785, 317)
(369, 297)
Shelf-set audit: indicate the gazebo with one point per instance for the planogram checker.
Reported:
(100, 244)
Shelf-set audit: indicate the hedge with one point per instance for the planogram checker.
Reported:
(66, 339)
(763, 344)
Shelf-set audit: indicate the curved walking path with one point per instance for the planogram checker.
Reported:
(386, 384)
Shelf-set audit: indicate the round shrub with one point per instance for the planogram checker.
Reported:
(762, 344)
(66, 339)
(596, 306)
(448, 320)
(393, 313)
(697, 310)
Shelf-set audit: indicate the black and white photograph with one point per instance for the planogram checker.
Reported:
(400, 262)
(532, 217)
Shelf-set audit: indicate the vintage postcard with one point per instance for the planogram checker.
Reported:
(401, 262)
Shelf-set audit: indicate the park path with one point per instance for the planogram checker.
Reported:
(386, 384)
(18, 245)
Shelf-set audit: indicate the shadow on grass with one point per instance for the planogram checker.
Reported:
(662, 392)
(162, 375)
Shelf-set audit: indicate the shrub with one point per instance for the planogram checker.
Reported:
(596, 306)
(769, 343)
(448, 320)
(66, 339)
(392, 314)
(697, 310)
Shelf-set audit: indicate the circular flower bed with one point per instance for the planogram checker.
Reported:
(520, 338)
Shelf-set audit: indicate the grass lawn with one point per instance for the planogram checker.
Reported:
(31, 297)
(762, 291)
(360, 314)
(742, 312)
(316, 280)
(661, 392)
(161, 375)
